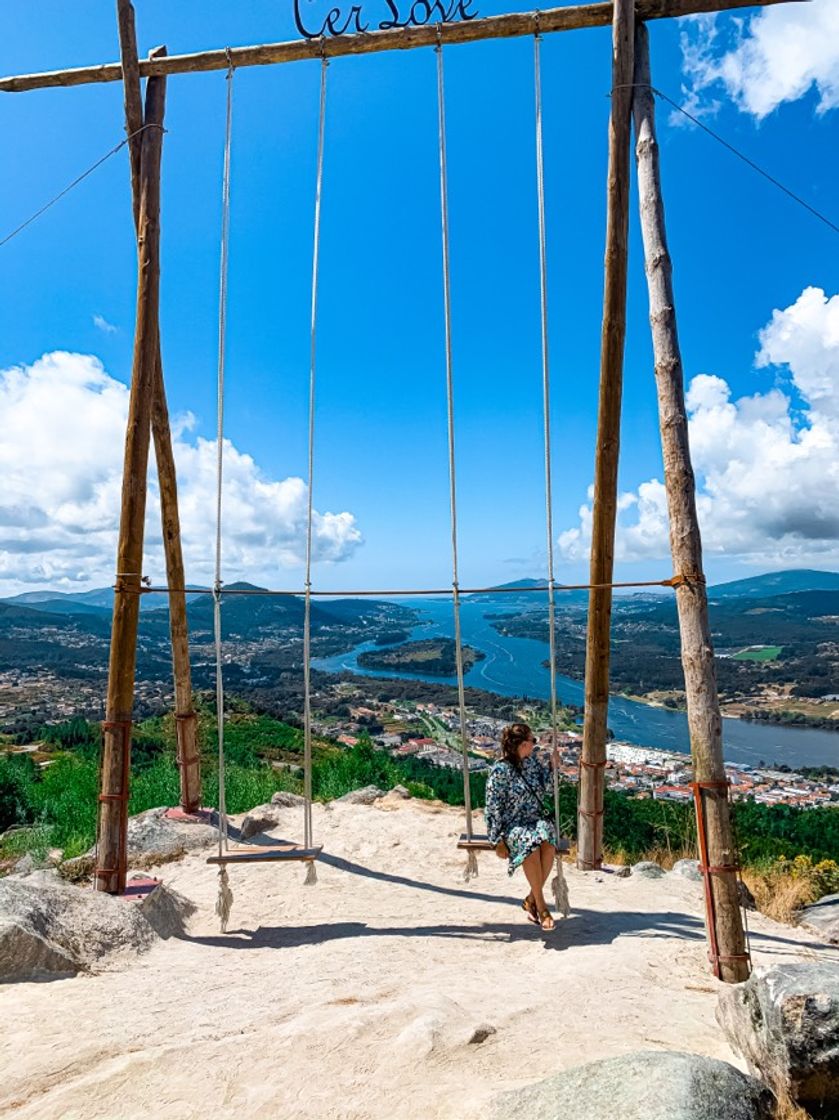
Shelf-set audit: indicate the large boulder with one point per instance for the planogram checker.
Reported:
(364, 796)
(647, 869)
(784, 1020)
(167, 911)
(153, 838)
(49, 928)
(153, 834)
(687, 869)
(261, 818)
(823, 917)
(647, 1085)
(286, 799)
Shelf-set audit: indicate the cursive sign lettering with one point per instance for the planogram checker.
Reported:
(397, 13)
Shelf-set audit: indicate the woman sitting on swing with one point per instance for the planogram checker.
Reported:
(518, 823)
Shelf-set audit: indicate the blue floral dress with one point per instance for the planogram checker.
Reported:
(514, 808)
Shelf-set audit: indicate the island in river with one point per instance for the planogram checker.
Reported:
(430, 655)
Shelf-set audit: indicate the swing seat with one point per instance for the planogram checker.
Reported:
(264, 853)
(480, 843)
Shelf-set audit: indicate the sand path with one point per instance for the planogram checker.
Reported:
(358, 998)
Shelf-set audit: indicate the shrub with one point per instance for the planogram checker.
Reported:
(16, 775)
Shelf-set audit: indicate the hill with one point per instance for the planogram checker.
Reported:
(362, 996)
(776, 583)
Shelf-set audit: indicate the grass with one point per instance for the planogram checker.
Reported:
(661, 855)
(758, 653)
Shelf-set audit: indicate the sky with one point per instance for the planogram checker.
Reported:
(756, 281)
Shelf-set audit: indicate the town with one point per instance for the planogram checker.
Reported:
(431, 732)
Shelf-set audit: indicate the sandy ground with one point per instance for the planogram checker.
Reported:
(357, 998)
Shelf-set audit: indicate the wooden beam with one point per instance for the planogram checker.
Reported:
(111, 845)
(604, 507)
(189, 762)
(725, 927)
(403, 38)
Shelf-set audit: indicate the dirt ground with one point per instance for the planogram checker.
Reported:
(359, 998)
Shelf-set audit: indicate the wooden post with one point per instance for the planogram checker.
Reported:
(116, 751)
(604, 511)
(189, 761)
(724, 924)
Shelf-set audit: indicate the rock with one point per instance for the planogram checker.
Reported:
(43, 875)
(400, 791)
(482, 1033)
(49, 928)
(153, 836)
(26, 955)
(641, 1086)
(167, 912)
(784, 1020)
(77, 869)
(260, 819)
(286, 799)
(365, 796)
(688, 869)
(745, 896)
(823, 917)
(25, 865)
(618, 870)
(646, 869)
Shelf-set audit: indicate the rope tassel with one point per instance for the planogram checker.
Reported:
(560, 889)
(224, 901)
(470, 871)
(311, 874)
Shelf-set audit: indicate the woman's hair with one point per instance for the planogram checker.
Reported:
(512, 737)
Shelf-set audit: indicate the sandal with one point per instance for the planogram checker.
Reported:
(546, 921)
(529, 907)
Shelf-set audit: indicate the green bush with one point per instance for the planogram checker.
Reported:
(16, 777)
(66, 800)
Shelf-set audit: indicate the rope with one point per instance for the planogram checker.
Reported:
(673, 581)
(734, 151)
(223, 906)
(560, 887)
(311, 873)
(79, 179)
(472, 863)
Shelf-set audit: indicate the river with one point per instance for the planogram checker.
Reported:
(514, 667)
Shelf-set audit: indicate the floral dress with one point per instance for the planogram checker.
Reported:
(514, 808)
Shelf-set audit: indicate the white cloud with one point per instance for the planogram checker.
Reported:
(103, 325)
(778, 55)
(61, 447)
(767, 465)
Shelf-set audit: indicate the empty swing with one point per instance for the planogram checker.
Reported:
(308, 852)
(470, 841)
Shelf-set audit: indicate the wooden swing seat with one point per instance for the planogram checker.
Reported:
(264, 853)
(480, 843)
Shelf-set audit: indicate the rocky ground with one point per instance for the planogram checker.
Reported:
(390, 988)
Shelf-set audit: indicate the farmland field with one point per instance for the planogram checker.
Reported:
(758, 653)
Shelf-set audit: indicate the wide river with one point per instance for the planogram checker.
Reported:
(514, 667)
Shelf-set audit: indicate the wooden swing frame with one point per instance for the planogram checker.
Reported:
(631, 94)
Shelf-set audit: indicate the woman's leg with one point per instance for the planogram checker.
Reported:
(532, 867)
(547, 852)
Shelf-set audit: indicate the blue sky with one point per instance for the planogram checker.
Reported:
(741, 252)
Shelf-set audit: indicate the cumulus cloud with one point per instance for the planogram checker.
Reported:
(61, 447)
(767, 465)
(778, 55)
